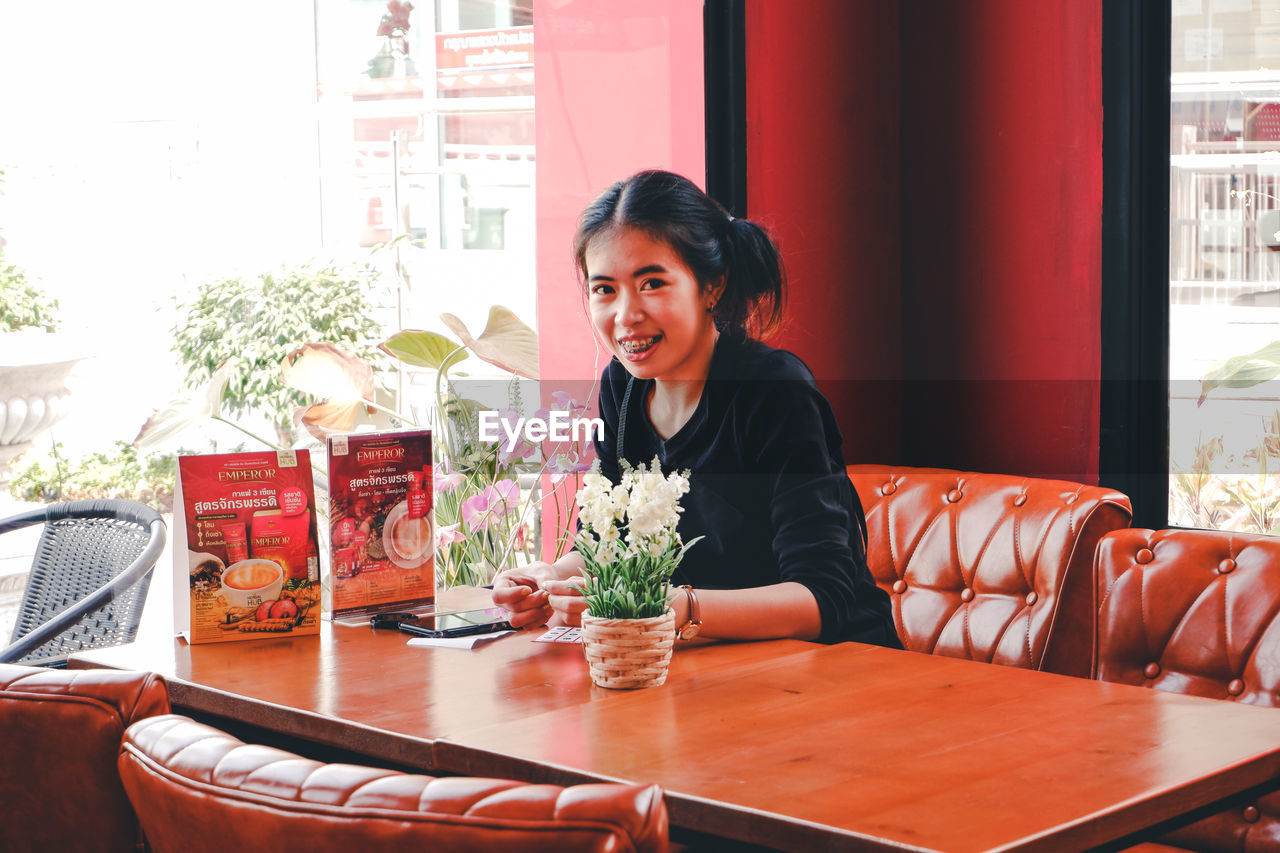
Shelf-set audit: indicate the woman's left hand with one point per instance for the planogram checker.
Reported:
(566, 599)
(517, 591)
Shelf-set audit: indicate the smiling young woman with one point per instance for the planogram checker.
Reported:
(679, 291)
(657, 320)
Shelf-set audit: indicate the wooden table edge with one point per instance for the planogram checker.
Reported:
(378, 744)
(752, 825)
(686, 811)
(449, 754)
(1111, 826)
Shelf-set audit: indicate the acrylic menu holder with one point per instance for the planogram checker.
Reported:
(381, 536)
(245, 557)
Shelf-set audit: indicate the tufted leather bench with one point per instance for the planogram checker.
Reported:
(986, 566)
(197, 789)
(60, 731)
(1195, 612)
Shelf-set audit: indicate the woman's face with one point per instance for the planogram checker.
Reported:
(648, 307)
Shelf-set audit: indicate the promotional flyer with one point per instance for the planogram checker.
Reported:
(382, 541)
(245, 553)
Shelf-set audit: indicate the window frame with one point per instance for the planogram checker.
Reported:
(1134, 412)
(725, 102)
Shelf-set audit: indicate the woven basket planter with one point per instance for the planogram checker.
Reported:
(627, 653)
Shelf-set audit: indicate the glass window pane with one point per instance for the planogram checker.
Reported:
(428, 133)
(1224, 264)
(145, 164)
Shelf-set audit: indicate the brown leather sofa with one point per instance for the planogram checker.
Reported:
(61, 733)
(1195, 612)
(196, 789)
(988, 567)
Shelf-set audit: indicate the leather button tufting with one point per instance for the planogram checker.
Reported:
(1031, 598)
(966, 594)
(954, 495)
(899, 586)
(1144, 555)
(1226, 566)
(888, 489)
(1235, 687)
(1250, 814)
(1020, 499)
(1151, 670)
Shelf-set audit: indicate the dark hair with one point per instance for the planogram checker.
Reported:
(711, 243)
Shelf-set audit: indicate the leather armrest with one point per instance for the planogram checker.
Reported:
(61, 731)
(197, 788)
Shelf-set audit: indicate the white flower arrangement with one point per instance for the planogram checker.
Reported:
(629, 539)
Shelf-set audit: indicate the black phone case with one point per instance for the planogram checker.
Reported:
(463, 631)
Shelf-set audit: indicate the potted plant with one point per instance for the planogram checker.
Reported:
(34, 364)
(236, 330)
(631, 548)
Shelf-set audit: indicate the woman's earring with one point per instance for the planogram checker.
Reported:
(711, 307)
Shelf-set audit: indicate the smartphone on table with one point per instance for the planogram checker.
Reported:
(462, 624)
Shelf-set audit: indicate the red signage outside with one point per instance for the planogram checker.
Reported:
(476, 51)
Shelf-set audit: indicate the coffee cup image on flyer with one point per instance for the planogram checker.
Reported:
(250, 582)
(409, 540)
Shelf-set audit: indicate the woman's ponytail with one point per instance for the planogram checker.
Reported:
(754, 295)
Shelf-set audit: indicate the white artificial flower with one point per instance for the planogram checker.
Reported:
(594, 484)
(648, 519)
(597, 504)
(645, 502)
(598, 517)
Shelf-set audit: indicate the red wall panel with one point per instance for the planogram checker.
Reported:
(1001, 239)
(933, 171)
(823, 174)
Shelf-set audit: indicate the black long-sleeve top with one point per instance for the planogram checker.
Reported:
(767, 488)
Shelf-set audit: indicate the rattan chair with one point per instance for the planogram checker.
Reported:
(88, 580)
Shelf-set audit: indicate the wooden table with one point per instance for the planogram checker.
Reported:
(787, 744)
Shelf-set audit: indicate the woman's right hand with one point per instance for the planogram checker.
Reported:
(519, 591)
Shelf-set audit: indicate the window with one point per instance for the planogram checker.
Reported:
(1224, 263)
(428, 133)
(162, 146)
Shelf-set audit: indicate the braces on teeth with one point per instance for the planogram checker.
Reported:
(638, 346)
